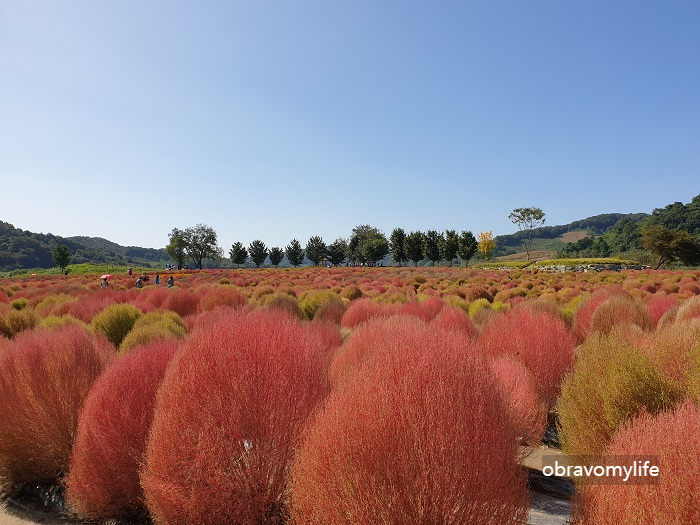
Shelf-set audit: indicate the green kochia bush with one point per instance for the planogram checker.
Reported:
(154, 326)
(612, 382)
(116, 321)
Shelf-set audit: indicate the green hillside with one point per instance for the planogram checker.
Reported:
(24, 249)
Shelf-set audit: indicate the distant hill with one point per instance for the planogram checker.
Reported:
(24, 249)
(555, 238)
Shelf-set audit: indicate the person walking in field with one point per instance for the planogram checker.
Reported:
(104, 284)
(171, 281)
(157, 279)
(139, 283)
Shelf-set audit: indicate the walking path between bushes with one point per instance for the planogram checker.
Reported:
(549, 504)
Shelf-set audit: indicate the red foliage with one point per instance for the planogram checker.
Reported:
(228, 416)
(182, 302)
(375, 336)
(542, 342)
(425, 310)
(454, 319)
(658, 305)
(362, 310)
(517, 385)
(88, 306)
(45, 376)
(221, 295)
(420, 437)
(103, 481)
(674, 438)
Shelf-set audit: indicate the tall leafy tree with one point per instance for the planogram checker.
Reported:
(61, 256)
(295, 253)
(485, 244)
(258, 252)
(449, 246)
(238, 254)
(467, 246)
(397, 243)
(276, 256)
(316, 250)
(527, 219)
(671, 245)
(177, 246)
(414, 247)
(431, 246)
(201, 243)
(337, 252)
(374, 249)
(367, 245)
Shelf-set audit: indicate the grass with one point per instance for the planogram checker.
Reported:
(80, 269)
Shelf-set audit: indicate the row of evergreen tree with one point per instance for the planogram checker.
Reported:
(366, 246)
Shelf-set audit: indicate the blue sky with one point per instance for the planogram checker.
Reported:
(273, 120)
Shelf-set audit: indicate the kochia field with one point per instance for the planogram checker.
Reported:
(347, 395)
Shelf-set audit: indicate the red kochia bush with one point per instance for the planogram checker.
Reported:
(182, 302)
(454, 319)
(517, 386)
(673, 437)
(420, 437)
(103, 481)
(426, 310)
(542, 342)
(228, 416)
(377, 335)
(45, 376)
(363, 310)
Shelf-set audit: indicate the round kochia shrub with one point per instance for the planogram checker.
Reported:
(154, 326)
(381, 334)
(45, 376)
(228, 416)
(541, 341)
(116, 321)
(612, 382)
(618, 310)
(672, 437)
(420, 437)
(103, 481)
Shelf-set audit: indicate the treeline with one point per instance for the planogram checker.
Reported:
(24, 249)
(367, 246)
(627, 234)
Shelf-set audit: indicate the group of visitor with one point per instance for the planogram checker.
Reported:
(142, 279)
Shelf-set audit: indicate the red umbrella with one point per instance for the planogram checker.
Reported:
(107, 276)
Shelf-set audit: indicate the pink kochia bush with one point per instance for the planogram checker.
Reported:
(45, 376)
(517, 386)
(420, 436)
(540, 340)
(228, 416)
(103, 481)
(673, 438)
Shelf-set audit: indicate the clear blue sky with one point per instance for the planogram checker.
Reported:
(277, 119)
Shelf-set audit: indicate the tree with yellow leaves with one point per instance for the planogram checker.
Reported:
(485, 244)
